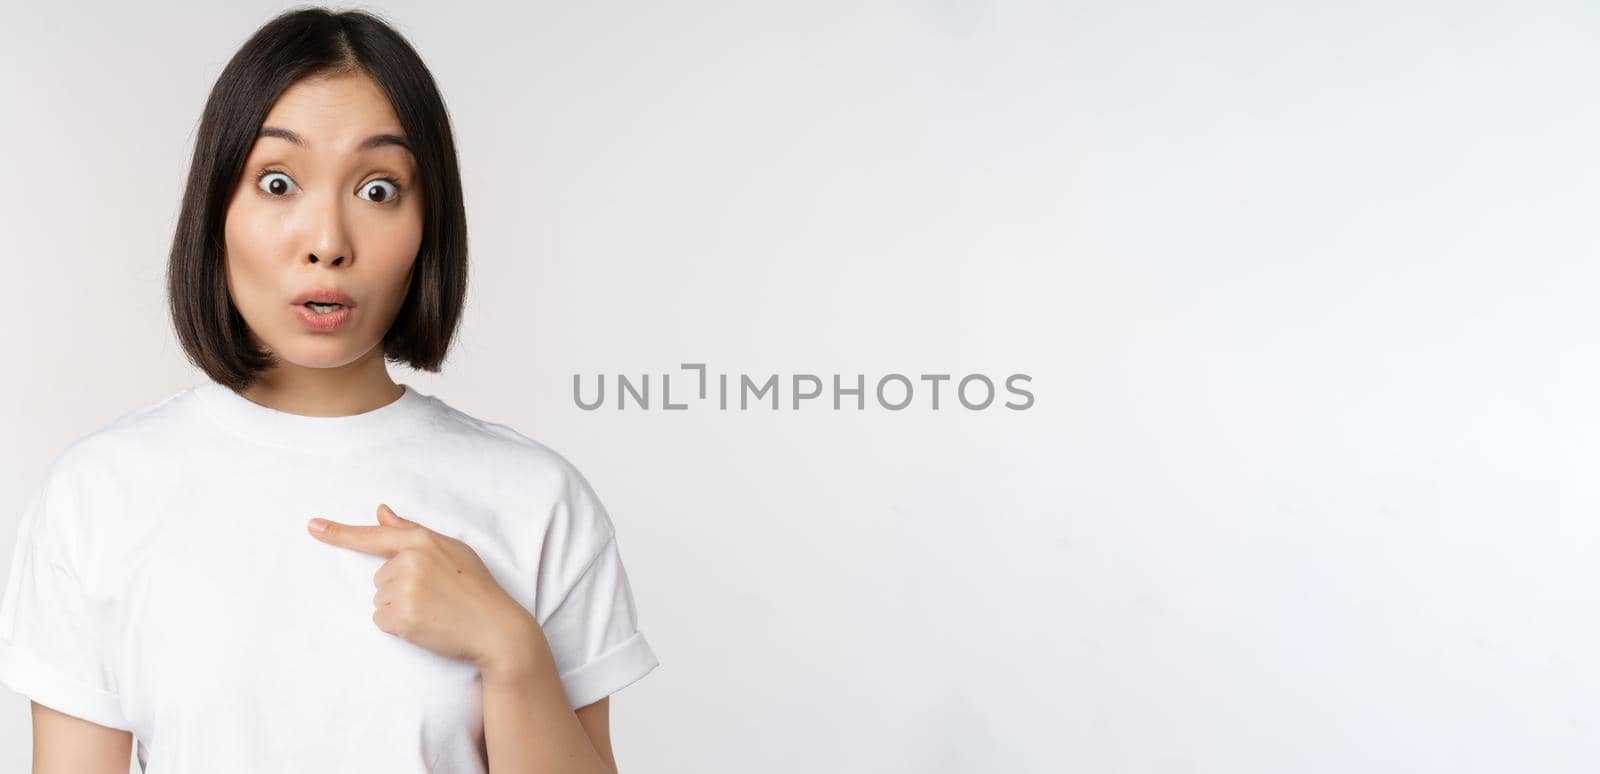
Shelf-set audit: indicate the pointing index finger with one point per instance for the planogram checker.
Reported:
(379, 539)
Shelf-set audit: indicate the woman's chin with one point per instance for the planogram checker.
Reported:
(327, 352)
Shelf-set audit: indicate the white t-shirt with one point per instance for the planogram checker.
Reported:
(164, 582)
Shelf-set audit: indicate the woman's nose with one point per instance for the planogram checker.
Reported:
(329, 235)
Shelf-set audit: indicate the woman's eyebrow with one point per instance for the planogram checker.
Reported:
(375, 141)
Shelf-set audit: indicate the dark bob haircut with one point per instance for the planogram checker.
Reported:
(301, 43)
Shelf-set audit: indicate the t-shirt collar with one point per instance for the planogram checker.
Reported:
(315, 435)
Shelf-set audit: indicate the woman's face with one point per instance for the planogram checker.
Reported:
(328, 201)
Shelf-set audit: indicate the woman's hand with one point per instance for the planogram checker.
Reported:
(435, 592)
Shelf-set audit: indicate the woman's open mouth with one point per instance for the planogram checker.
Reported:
(323, 317)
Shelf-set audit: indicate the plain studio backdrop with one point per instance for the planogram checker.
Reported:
(1305, 293)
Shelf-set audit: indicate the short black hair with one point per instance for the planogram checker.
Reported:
(300, 43)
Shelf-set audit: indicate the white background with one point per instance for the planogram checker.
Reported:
(1306, 292)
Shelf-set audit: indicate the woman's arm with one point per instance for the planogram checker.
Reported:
(435, 591)
(67, 744)
(528, 725)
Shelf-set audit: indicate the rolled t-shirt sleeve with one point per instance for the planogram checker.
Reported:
(51, 648)
(592, 623)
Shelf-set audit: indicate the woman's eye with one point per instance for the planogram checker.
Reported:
(275, 183)
(380, 191)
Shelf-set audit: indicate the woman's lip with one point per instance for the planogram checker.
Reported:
(324, 296)
(322, 323)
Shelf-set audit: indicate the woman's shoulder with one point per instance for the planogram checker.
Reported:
(505, 442)
(127, 435)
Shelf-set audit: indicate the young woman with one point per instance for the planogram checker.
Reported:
(200, 573)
